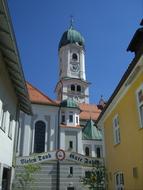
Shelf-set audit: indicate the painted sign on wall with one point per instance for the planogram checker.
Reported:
(57, 155)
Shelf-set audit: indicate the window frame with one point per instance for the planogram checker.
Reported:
(73, 88)
(63, 116)
(11, 120)
(3, 121)
(35, 147)
(116, 130)
(73, 59)
(140, 105)
(71, 116)
(86, 151)
(70, 145)
(119, 180)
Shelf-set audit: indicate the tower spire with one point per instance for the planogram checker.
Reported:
(71, 21)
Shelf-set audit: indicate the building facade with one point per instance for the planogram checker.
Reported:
(63, 132)
(13, 97)
(122, 124)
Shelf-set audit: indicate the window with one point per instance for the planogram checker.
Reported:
(63, 118)
(87, 174)
(86, 151)
(119, 181)
(116, 130)
(140, 104)
(98, 153)
(39, 139)
(3, 118)
(77, 120)
(10, 127)
(78, 88)
(71, 170)
(70, 118)
(74, 57)
(72, 87)
(70, 144)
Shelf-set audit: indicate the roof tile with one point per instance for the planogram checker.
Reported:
(37, 96)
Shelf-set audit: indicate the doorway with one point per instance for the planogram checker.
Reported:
(6, 179)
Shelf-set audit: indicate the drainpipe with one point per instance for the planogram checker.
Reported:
(58, 147)
(15, 144)
(58, 144)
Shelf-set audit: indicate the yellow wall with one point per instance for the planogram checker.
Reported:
(129, 153)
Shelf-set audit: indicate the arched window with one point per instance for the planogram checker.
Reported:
(72, 87)
(87, 151)
(98, 153)
(39, 139)
(74, 56)
(78, 88)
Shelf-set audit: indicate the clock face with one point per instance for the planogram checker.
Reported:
(74, 67)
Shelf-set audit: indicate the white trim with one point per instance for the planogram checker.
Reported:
(120, 185)
(116, 129)
(46, 132)
(139, 104)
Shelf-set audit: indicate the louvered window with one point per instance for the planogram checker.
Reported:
(116, 130)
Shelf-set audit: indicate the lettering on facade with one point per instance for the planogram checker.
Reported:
(83, 160)
(34, 159)
(60, 155)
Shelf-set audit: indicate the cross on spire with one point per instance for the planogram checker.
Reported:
(71, 21)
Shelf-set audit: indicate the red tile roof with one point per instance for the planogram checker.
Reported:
(38, 97)
(89, 111)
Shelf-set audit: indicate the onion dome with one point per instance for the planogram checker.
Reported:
(71, 36)
(69, 103)
(91, 132)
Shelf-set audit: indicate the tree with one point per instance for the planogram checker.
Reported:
(25, 180)
(95, 179)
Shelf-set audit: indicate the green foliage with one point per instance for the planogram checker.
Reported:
(96, 178)
(25, 180)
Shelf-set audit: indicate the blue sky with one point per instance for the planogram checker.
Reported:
(107, 26)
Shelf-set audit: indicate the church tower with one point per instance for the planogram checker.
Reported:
(72, 77)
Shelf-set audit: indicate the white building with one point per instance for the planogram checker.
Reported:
(13, 96)
(61, 135)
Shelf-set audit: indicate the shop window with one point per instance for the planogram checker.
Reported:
(86, 151)
(140, 105)
(72, 87)
(39, 140)
(116, 130)
(119, 181)
(78, 88)
(98, 152)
